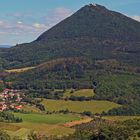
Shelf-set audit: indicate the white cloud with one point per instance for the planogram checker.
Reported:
(20, 28)
(28, 26)
(19, 22)
(39, 26)
(136, 17)
(2, 23)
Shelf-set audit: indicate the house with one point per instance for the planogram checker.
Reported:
(18, 107)
(12, 106)
(9, 99)
(3, 106)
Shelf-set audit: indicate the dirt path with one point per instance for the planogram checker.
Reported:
(73, 123)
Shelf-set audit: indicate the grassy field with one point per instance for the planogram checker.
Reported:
(41, 126)
(21, 133)
(9, 126)
(46, 129)
(44, 124)
(25, 128)
(78, 93)
(48, 119)
(30, 108)
(19, 70)
(120, 118)
(79, 107)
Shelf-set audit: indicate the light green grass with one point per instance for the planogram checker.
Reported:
(21, 133)
(79, 93)
(44, 124)
(121, 118)
(21, 130)
(60, 131)
(30, 108)
(42, 129)
(49, 129)
(48, 119)
(79, 107)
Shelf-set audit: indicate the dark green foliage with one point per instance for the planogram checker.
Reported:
(46, 93)
(104, 130)
(1, 87)
(138, 134)
(41, 107)
(59, 73)
(64, 111)
(120, 88)
(111, 133)
(9, 117)
(131, 109)
(87, 113)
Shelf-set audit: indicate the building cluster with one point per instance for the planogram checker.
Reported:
(11, 99)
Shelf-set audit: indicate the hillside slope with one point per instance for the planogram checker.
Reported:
(92, 32)
(95, 47)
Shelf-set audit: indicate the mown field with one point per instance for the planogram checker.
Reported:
(45, 124)
(121, 118)
(79, 93)
(32, 109)
(25, 128)
(20, 70)
(47, 119)
(78, 106)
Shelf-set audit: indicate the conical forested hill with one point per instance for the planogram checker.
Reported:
(95, 21)
(93, 32)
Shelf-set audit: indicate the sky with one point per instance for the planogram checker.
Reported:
(23, 21)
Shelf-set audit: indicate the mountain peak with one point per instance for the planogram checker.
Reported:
(92, 32)
(94, 8)
(96, 21)
(94, 5)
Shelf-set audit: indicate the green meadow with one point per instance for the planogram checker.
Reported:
(121, 118)
(78, 106)
(45, 124)
(79, 93)
(48, 119)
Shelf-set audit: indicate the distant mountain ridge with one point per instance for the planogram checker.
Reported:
(5, 46)
(93, 32)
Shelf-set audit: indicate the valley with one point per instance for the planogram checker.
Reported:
(58, 117)
(94, 107)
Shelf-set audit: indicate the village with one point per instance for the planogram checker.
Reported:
(11, 100)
